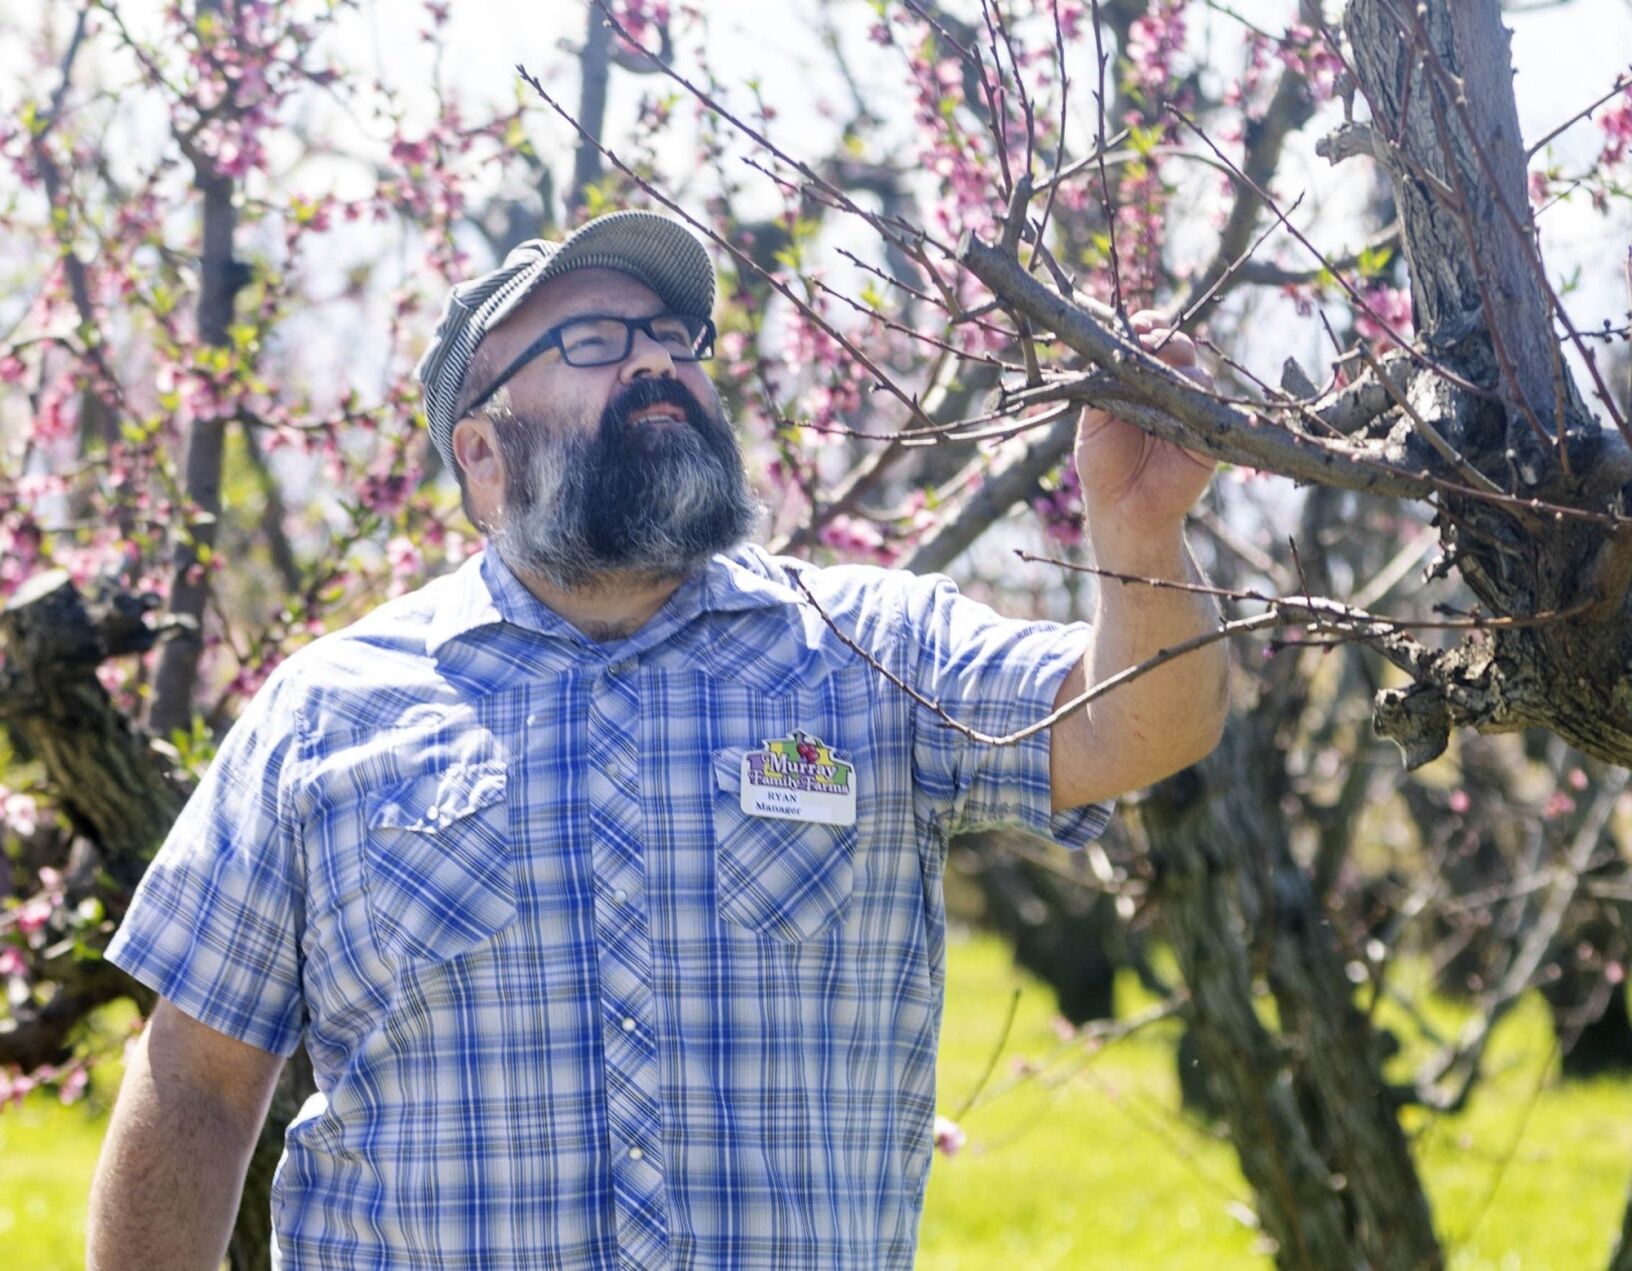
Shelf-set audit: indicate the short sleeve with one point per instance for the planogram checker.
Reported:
(998, 675)
(215, 925)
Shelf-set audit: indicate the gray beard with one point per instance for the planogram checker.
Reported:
(621, 505)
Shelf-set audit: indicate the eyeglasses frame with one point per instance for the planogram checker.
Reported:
(551, 339)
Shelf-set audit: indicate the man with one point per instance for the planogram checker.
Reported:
(601, 878)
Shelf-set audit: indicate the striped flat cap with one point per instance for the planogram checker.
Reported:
(657, 250)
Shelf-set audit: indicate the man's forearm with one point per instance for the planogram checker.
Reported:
(1179, 706)
(170, 1175)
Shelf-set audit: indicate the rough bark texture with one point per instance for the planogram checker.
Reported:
(115, 789)
(1313, 1122)
(1298, 1208)
(1458, 173)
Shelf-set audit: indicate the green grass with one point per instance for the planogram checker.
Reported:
(1087, 1162)
(47, 1154)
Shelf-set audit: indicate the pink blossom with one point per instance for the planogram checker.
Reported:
(1459, 802)
(856, 537)
(1616, 123)
(406, 561)
(949, 1137)
(1392, 305)
(1059, 506)
(72, 1087)
(1155, 39)
(34, 913)
(58, 416)
(12, 961)
(1305, 52)
(14, 1087)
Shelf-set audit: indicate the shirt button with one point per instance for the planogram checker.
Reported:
(621, 668)
(635, 1154)
(620, 895)
(532, 719)
(629, 1024)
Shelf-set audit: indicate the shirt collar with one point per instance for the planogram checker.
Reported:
(483, 593)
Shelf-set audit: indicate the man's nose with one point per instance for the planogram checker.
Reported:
(646, 357)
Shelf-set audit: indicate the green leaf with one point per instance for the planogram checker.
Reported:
(1373, 261)
(1144, 140)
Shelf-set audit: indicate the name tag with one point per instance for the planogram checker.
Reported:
(798, 778)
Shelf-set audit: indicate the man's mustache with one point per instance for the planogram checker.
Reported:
(653, 390)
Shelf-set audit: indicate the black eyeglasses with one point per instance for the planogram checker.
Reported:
(600, 339)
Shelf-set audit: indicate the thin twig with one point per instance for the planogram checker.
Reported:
(1053, 183)
(1349, 289)
(1093, 692)
(991, 1060)
(743, 259)
(1622, 81)
(1319, 607)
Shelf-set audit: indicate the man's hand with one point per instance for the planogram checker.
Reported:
(1133, 483)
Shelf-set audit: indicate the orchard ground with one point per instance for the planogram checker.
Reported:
(1077, 1158)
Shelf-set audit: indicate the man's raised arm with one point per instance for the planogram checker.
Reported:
(1136, 491)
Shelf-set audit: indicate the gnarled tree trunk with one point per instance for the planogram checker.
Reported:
(1312, 1119)
(1439, 78)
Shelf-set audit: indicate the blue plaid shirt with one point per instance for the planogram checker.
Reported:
(568, 1004)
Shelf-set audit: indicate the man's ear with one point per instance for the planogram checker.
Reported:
(476, 451)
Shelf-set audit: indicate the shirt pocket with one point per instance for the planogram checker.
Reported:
(438, 874)
(789, 880)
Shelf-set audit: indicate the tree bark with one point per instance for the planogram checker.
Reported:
(114, 788)
(1491, 386)
(221, 278)
(594, 66)
(1438, 78)
(1312, 1119)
